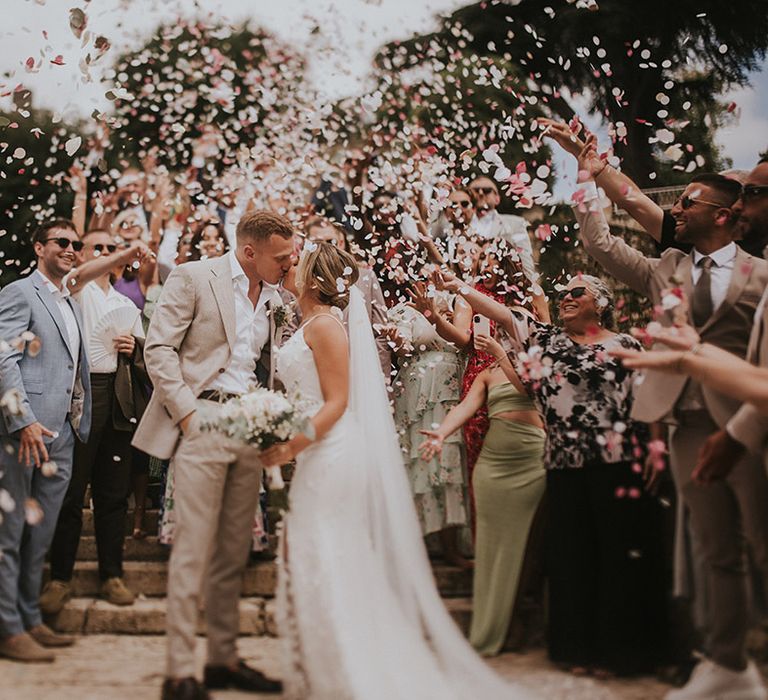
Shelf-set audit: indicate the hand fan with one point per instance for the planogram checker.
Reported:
(119, 321)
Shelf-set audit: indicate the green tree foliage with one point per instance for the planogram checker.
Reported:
(33, 181)
(653, 71)
(200, 90)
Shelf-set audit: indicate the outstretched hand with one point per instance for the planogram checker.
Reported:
(660, 360)
(431, 447)
(423, 301)
(446, 280)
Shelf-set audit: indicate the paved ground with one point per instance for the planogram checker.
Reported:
(130, 668)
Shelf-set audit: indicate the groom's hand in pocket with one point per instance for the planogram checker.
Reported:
(185, 422)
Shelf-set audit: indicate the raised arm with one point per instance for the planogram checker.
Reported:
(93, 269)
(458, 331)
(620, 189)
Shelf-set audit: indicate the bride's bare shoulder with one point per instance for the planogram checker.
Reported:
(325, 331)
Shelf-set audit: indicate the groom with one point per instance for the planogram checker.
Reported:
(210, 337)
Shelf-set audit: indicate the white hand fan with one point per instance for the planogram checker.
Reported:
(119, 321)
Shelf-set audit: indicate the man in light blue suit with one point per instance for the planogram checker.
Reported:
(45, 405)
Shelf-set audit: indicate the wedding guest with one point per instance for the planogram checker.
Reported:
(604, 560)
(104, 461)
(208, 240)
(488, 224)
(425, 388)
(46, 410)
(724, 285)
(508, 483)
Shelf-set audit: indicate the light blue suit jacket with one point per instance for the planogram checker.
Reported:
(44, 380)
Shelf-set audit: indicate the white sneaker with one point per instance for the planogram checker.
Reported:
(710, 681)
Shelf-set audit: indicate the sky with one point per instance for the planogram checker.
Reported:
(339, 54)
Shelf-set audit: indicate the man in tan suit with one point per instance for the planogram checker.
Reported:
(211, 337)
(724, 285)
(748, 429)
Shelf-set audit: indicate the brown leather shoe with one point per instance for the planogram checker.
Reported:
(184, 689)
(46, 637)
(54, 597)
(21, 647)
(114, 591)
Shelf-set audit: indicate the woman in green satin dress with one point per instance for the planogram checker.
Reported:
(508, 481)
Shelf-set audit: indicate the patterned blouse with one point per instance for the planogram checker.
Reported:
(584, 395)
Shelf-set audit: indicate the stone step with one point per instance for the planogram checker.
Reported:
(150, 522)
(148, 578)
(148, 549)
(147, 616)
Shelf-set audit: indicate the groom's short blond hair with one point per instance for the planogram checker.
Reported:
(257, 226)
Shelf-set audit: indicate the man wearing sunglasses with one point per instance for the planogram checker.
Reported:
(748, 429)
(104, 461)
(488, 223)
(723, 285)
(47, 382)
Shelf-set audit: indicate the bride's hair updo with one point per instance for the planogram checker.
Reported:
(328, 270)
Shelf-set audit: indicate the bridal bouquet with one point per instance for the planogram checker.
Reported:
(260, 418)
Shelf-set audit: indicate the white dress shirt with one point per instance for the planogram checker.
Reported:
(95, 303)
(70, 322)
(720, 272)
(511, 228)
(252, 333)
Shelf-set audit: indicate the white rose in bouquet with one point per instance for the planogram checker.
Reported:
(260, 418)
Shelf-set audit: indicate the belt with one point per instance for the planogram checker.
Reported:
(216, 395)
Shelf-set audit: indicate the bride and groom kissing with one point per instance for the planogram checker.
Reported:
(357, 609)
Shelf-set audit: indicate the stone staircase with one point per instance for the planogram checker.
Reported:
(145, 569)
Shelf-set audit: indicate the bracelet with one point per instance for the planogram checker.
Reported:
(695, 348)
(605, 165)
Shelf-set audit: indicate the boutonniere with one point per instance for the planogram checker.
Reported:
(282, 314)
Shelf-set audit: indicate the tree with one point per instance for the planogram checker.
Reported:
(201, 92)
(650, 71)
(34, 180)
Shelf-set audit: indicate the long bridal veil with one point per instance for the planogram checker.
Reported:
(394, 526)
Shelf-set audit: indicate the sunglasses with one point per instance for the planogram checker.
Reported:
(463, 203)
(483, 190)
(575, 293)
(101, 247)
(63, 242)
(752, 191)
(687, 202)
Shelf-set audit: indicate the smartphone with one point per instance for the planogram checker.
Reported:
(481, 324)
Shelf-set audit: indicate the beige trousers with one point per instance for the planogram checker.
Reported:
(217, 490)
(725, 518)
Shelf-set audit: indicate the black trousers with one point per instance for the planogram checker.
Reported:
(606, 603)
(104, 462)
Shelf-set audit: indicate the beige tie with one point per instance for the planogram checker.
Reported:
(701, 302)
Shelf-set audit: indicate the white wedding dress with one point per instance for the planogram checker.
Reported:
(357, 608)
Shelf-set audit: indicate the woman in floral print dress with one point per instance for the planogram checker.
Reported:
(425, 389)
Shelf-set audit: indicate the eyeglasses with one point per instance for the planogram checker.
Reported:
(463, 203)
(752, 191)
(687, 202)
(63, 242)
(574, 292)
(483, 190)
(100, 247)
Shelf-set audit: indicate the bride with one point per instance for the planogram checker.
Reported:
(358, 610)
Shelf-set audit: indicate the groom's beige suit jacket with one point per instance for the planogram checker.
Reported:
(189, 340)
(728, 328)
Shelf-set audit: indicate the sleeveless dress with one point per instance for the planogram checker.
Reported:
(346, 634)
(508, 482)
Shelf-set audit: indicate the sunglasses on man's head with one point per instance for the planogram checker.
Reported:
(482, 190)
(575, 293)
(752, 191)
(101, 247)
(63, 242)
